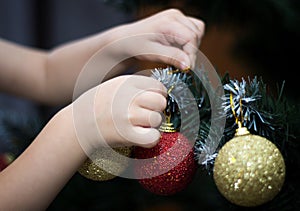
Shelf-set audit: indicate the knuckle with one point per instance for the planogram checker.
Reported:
(131, 117)
(194, 36)
(169, 15)
(177, 57)
(174, 11)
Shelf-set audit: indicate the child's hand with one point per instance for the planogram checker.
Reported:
(122, 111)
(168, 37)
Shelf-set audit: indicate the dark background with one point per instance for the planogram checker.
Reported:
(270, 47)
(49, 23)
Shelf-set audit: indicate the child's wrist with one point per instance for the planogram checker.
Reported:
(67, 128)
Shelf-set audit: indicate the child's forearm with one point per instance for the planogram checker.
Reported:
(47, 76)
(168, 37)
(21, 69)
(66, 62)
(33, 180)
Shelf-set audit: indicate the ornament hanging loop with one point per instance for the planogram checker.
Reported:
(238, 119)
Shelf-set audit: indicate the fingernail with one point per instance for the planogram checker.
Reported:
(185, 70)
(184, 66)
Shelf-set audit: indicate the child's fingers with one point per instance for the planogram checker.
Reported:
(145, 118)
(149, 84)
(150, 100)
(199, 25)
(144, 137)
(168, 54)
(195, 26)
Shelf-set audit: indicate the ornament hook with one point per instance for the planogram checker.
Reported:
(238, 119)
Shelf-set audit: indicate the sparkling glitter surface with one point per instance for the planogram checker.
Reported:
(249, 170)
(93, 168)
(177, 178)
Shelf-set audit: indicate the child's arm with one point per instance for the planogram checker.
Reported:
(33, 180)
(49, 77)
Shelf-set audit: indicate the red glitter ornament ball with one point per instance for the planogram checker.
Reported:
(177, 147)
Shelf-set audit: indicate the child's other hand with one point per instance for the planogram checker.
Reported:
(122, 111)
(168, 37)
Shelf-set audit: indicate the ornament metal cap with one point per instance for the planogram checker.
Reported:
(241, 130)
(167, 127)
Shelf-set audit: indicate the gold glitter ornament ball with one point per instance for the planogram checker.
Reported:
(93, 167)
(249, 170)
